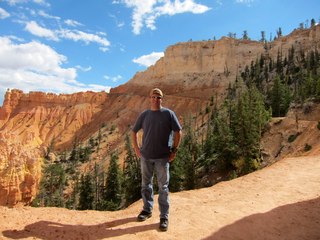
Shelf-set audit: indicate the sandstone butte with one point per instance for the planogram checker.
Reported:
(189, 74)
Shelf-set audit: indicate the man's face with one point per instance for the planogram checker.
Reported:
(155, 100)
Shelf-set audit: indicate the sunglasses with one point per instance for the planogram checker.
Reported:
(156, 97)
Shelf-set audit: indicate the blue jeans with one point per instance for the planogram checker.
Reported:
(161, 167)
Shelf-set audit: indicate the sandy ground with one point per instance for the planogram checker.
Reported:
(278, 202)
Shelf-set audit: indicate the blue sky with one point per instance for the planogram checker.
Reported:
(66, 46)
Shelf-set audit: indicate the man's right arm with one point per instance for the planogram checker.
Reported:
(134, 137)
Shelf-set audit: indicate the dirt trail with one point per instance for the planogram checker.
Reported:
(281, 201)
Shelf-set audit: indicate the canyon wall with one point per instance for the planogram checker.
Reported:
(189, 74)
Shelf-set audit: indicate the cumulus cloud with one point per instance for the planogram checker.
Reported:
(146, 12)
(148, 60)
(3, 13)
(34, 66)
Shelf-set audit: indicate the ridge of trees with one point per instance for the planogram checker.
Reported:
(245, 34)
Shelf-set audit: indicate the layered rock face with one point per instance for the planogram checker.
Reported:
(189, 74)
(20, 169)
(29, 123)
(198, 69)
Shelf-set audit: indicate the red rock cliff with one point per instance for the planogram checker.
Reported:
(189, 73)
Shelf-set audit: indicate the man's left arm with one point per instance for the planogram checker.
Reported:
(175, 145)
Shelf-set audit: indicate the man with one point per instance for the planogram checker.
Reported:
(159, 126)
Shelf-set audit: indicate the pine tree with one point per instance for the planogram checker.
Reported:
(113, 195)
(263, 36)
(237, 129)
(183, 173)
(96, 186)
(189, 156)
(52, 184)
(132, 174)
(86, 193)
(276, 96)
(279, 32)
(245, 35)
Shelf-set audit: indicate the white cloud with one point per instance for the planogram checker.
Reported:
(14, 2)
(35, 66)
(103, 49)
(146, 12)
(42, 2)
(113, 79)
(247, 2)
(74, 35)
(119, 24)
(84, 69)
(98, 88)
(148, 60)
(72, 23)
(87, 38)
(45, 15)
(3, 13)
(30, 56)
(39, 31)
(62, 29)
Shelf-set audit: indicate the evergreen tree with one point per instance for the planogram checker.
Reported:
(263, 36)
(279, 64)
(190, 156)
(86, 193)
(277, 98)
(72, 201)
(279, 32)
(113, 195)
(245, 35)
(52, 184)
(132, 174)
(96, 186)
(183, 171)
(223, 148)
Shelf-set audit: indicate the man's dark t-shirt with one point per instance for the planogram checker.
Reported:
(157, 127)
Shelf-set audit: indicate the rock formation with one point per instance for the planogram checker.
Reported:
(189, 74)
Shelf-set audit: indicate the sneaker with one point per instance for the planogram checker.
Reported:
(144, 215)
(163, 224)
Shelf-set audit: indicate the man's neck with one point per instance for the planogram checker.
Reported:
(155, 108)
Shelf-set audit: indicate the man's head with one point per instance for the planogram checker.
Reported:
(156, 91)
(156, 96)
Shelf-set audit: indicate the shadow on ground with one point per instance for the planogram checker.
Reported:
(53, 231)
(291, 222)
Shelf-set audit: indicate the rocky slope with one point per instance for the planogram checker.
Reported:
(189, 73)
